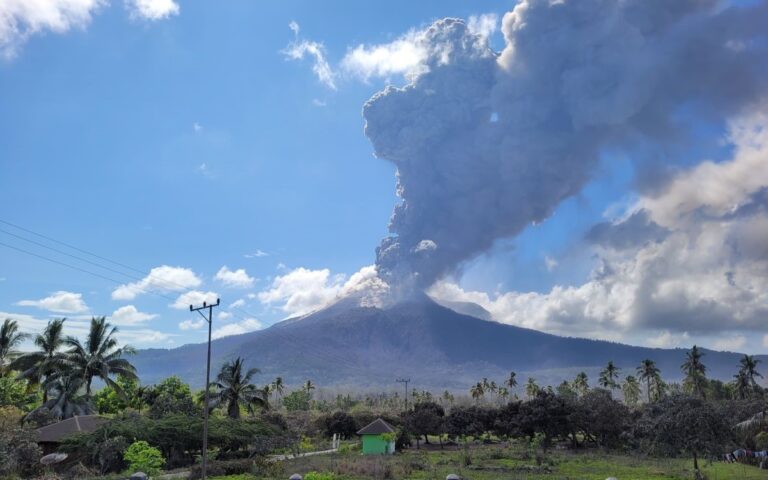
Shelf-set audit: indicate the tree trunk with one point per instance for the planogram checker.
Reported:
(648, 384)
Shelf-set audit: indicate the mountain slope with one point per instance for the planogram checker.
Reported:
(438, 348)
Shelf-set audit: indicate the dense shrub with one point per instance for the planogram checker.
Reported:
(338, 422)
(141, 457)
(19, 453)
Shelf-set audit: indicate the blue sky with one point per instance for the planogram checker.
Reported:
(192, 141)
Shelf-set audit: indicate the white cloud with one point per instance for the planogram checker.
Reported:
(258, 253)
(192, 324)
(550, 263)
(20, 19)
(130, 315)
(234, 278)
(765, 341)
(484, 25)
(302, 291)
(223, 316)
(404, 56)
(237, 303)
(667, 339)
(425, 246)
(160, 279)
(143, 336)
(298, 49)
(195, 298)
(59, 302)
(34, 325)
(153, 9)
(730, 344)
(247, 325)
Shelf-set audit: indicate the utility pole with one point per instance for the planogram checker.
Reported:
(208, 319)
(406, 381)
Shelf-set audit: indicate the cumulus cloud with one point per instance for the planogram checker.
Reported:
(130, 315)
(160, 279)
(487, 143)
(194, 297)
(300, 48)
(192, 324)
(58, 302)
(705, 271)
(404, 56)
(234, 278)
(302, 290)
(245, 326)
(20, 19)
(484, 25)
(153, 9)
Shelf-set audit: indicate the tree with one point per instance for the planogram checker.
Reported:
(503, 394)
(171, 397)
(277, 386)
(107, 400)
(425, 419)
(477, 391)
(547, 414)
(741, 385)
(297, 400)
(511, 381)
(689, 425)
(10, 338)
(309, 386)
(338, 422)
(100, 356)
(235, 389)
(66, 400)
(38, 366)
(448, 397)
(581, 384)
(631, 390)
(141, 457)
(648, 372)
(600, 418)
(566, 390)
(609, 375)
(748, 368)
(14, 393)
(695, 372)
(531, 388)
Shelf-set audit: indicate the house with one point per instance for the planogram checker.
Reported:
(50, 436)
(378, 438)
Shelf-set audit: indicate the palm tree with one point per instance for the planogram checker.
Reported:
(503, 393)
(278, 386)
(477, 391)
(581, 384)
(66, 401)
(695, 372)
(448, 397)
(647, 371)
(531, 388)
(631, 390)
(511, 381)
(609, 375)
(749, 368)
(99, 357)
(309, 386)
(235, 389)
(38, 366)
(741, 386)
(10, 338)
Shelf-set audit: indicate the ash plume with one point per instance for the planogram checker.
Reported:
(486, 143)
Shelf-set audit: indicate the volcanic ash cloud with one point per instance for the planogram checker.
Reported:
(486, 143)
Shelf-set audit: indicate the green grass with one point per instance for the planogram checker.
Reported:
(503, 463)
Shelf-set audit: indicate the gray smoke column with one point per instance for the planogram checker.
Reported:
(487, 143)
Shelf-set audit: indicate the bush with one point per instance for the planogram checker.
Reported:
(319, 476)
(223, 467)
(141, 457)
(78, 471)
(761, 441)
(19, 453)
(338, 422)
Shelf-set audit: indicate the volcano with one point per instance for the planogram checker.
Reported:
(347, 345)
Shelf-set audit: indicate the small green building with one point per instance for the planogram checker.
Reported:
(378, 438)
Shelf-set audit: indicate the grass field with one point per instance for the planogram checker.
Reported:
(491, 462)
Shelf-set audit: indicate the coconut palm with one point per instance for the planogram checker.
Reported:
(580, 384)
(741, 386)
(511, 381)
(66, 399)
(531, 388)
(278, 386)
(631, 390)
(38, 366)
(234, 388)
(10, 338)
(99, 356)
(609, 375)
(647, 372)
(748, 367)
(309, 386)
(695, 372)
(503, 394)
(477, 391)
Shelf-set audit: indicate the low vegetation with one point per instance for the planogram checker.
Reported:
(628, 426)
